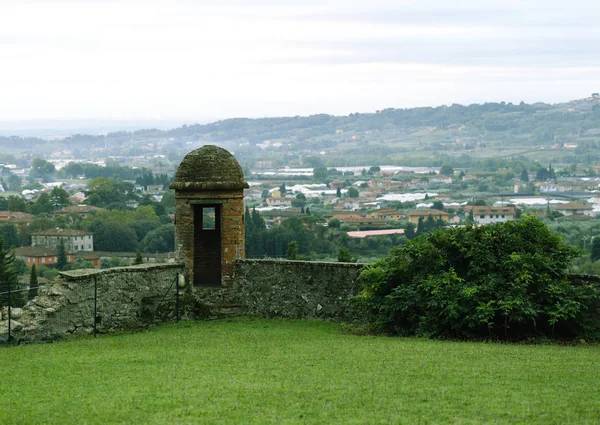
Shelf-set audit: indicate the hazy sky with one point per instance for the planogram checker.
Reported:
(192, 59)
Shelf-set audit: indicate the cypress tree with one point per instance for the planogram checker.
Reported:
(345, 256)
(595, 256)
(420, 226)
(292, 251)
(257, 220)
(8, 276)
(524, 176)
(138, 258)
(33, 283)
(409, 232)
(61, 258)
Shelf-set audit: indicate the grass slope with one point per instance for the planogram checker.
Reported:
(252, 371)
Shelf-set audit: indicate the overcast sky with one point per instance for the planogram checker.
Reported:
(198, 59)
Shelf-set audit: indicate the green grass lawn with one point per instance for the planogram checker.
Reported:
(253, 371)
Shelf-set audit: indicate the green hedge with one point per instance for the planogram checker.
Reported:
(506, 281)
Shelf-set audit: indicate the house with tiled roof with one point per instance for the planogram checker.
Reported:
(15, 217)
(275, 217)
(20, 219)
(413, 216)
(387, 214)
(40, 255)
(488, 215)
(336, 184)
(81, 210)
(574, 208)
(73, 240)
(47, 256)
(348, 215)
(364, 222)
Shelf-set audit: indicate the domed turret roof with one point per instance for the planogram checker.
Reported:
(207, 168)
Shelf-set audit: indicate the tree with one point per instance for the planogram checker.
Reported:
(505, 280)
(168, 200)
(72, 170)
(61, 258)
(299, 201)
(374, 169)
(159, 240)
(471, 217)
(33, 283)
(41, 205)
(108, 192)
(257, 220)
(138, 258)
(9, 234)
(352, 192)
(334, 223)
(320, 173)
(41, 169)
(524, 176)
(446, 170)
(14, 183)
(345, 256)
(551, 173)
(114, 236)
(143, 227)
(338, 193)
(80, 263)
(542, 174)
(8, 277)
(292, 251)
(438, 205)
(595, 255)
(59, 198)
(410, 232)
(420, 226)
(17, 204)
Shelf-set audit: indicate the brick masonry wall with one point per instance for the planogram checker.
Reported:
(232, 228)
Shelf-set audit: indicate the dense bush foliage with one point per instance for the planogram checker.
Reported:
(504, 281)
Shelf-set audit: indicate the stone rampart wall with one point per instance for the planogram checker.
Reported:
(127, 298)
(295, 289)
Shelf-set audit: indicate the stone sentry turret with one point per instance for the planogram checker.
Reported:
(209, 215)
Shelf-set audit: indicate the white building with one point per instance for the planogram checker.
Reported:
(574, 208)
(73, 240)
(489, 215)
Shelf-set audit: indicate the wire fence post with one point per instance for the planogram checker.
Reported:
(177, 297)
(95, 305)
(9, 312)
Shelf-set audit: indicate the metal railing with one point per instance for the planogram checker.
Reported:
(165, 307)
(7, 311)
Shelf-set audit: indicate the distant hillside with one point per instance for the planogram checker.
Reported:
(564, 133)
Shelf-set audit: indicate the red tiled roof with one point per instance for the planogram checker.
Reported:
(62, 232)
(365, 233)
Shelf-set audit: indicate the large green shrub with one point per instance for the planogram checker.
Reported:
(504, 280)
